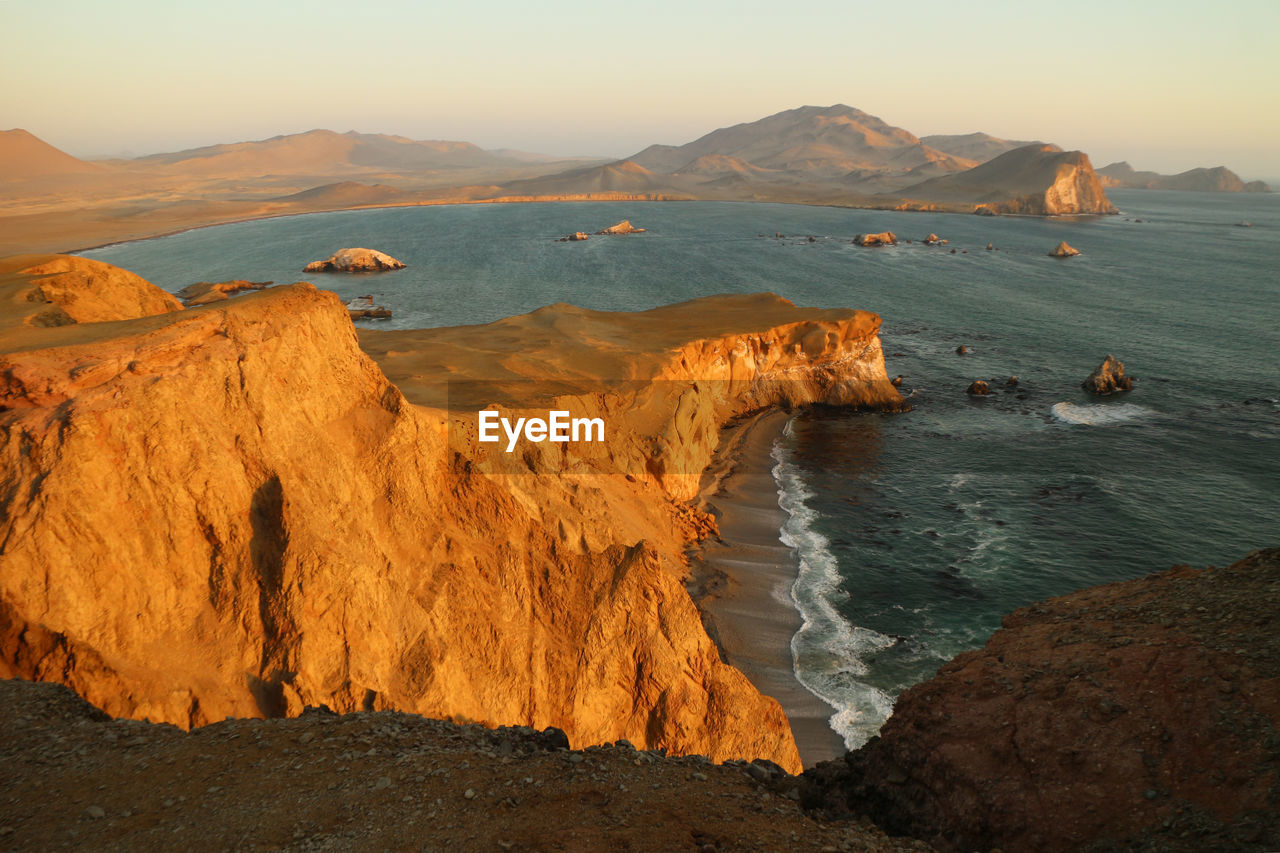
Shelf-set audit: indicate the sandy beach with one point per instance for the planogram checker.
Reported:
(742, 580)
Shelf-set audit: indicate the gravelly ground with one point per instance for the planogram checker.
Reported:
(75, 779)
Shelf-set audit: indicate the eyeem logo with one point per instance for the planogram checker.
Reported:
(558, 427)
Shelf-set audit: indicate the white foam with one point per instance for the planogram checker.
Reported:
(828, 653)
(1098, 414)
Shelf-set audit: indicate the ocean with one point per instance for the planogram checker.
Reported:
(912, 534)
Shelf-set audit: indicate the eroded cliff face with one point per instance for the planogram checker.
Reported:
(230, 511)
(1073, 189)
(1138, 715)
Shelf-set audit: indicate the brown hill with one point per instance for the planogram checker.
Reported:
(1142, 715)
(348, 194)
(978, 147)
(814, 140)
(1037, 179)
(24, 156)
(324, 152)
(1218, 179)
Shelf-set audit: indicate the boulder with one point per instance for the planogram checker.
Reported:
(934, 240)
(884, 238)
(978, 388)
(1062, 250)
(991, 247)
(574, 237)
(355, 260)
(623, 227)
(962, 349)
(1108, 378)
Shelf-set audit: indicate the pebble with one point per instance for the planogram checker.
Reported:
(95, 812)
(383, 782)
(701, 777)
(470, 793)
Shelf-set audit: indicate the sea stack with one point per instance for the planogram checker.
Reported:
(1108, 378)
(1062, 250)
(355, 260)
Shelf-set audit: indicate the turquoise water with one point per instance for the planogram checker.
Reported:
(914, 532)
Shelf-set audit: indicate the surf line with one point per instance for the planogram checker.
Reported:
(557, 426)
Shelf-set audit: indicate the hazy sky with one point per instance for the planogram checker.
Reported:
(1166, 85)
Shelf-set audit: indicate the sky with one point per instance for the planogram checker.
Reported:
(1166, 85)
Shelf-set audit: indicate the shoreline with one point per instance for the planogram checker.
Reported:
(571, 199)
(741, 580)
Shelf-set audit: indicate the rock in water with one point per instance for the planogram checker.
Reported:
(623, 227)
(934, 240)
(884, 238)
(574, 237)
(978, 388)
(1108, 378)
(1062, 250)
(355, 260)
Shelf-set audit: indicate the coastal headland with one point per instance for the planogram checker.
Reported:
(244, 509)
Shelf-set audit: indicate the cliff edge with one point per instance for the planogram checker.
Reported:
(1137, 715)
(230, 510)
(1040, 180)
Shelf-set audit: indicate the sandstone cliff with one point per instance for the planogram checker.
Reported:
(1138, 715)
(1037, 179)
(230, 511)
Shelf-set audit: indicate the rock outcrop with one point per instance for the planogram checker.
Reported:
(1062, 250)
(623, 227)
(884, 238)
(1041, 180)
(575, 237)
(1108, 378)
(978, 388)
(230, 511)
(355, 260)
(934, 240)
(59, 290)
(1138, 715)
(204, 292)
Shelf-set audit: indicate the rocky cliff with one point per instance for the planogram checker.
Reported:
(230, 511)
(1138, 715)
(1036, 179)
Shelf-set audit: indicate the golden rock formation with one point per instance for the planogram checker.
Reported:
(230, 510)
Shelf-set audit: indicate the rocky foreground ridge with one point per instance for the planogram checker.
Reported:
(1142, 715)
(75, 779)
(229, 510)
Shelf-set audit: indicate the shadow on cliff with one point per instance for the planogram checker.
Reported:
(267, 554)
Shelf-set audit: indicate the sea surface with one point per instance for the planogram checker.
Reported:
(913, 533)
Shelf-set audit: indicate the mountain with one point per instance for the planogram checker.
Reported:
(326, 152)
(841, 155)
(1035, 179)
(828, 141)
(978, 147)
(23, 156)
(1218, 179)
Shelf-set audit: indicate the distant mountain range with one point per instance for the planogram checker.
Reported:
(841, 155)
(834, 155)
(1219, 179)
